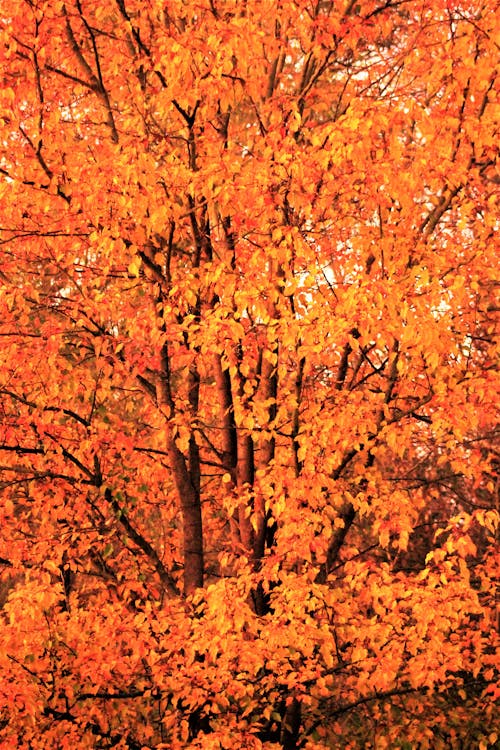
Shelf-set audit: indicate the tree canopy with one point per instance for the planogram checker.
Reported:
(248, 384)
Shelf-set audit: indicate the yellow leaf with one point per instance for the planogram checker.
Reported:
(134, 267)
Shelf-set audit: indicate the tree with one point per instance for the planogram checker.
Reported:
(248, 384)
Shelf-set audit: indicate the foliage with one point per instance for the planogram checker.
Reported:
(248, 385)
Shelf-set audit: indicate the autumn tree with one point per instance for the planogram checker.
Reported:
(248, 384)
